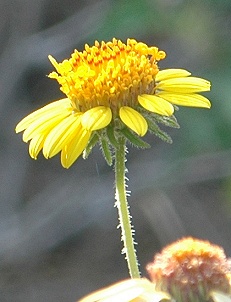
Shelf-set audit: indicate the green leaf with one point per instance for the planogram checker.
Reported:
(106, 151)
(92, 142)
(134, 139)
(154, 128)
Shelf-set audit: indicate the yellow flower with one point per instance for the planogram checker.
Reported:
(192, 270)
(107, 85)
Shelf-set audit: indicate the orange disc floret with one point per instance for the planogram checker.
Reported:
(190, 269)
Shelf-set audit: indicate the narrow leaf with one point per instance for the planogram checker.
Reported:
(106, 151)
(134, 139)
(92, 142)
(169, 121)
(111, 136)
(154, 128)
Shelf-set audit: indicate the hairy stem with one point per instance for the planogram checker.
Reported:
(123, 210)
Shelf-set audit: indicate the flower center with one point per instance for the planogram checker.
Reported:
(108, 74)
(191, 267)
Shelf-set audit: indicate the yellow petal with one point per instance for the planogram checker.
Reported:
(171, 73)
(190, 100)
(123, 291)
(36, 145)
(56, 107)
(220, 297)
(184, 85)
(73, 149)
(134, 120)
(61, 135)
(44, 124)
(135, 290)
(96, 118)
(156, 104)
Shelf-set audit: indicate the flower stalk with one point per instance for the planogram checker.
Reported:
(123, 210)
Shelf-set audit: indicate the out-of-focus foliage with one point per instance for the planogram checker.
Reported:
(58, 236)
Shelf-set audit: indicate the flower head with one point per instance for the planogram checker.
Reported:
(191, 270)
(109, 86)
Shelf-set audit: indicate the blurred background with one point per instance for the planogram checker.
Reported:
(58, 235)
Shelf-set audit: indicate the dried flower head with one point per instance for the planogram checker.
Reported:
(191, 270)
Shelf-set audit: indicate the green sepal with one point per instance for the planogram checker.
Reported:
(91, 144)
(134, 139)
(154, 128)
(107, 153)
(111, 136)
(169, 121)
